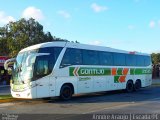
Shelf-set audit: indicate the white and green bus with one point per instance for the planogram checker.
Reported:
(65, 68)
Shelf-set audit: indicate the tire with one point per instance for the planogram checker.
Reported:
(129, 87)
(66, 92)
(137, 85)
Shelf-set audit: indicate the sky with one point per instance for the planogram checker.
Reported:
(132, 25)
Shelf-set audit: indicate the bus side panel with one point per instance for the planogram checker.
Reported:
(100, 83)
(60, 81)
(142, 78)
(148, 80)
(33, 89)
(129, 77)
(52, 86)
(85, 84)
(111, 85)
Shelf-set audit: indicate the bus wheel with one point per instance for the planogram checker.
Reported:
(137, 85)
(129, 86)
(66, 92)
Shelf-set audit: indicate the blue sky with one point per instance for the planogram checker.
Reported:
(132, 25)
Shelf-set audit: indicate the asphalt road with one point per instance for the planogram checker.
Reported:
(88, 106)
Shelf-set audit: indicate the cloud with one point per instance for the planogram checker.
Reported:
(131, 27)
(96, 42)
(4, 19)
(152, 24)
(98, 8)
(33, 12)
(64, 14)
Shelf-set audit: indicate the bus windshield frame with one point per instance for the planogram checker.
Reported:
(34, 64)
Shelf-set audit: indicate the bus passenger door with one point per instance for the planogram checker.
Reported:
(52, 88)
(42, 77)
(42, 87)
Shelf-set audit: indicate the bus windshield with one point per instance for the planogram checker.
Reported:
(23, 72)
(34, 64)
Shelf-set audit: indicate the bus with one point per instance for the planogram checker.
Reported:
(65, 68)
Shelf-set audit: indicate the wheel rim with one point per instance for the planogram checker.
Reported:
(66, 93)
(130, 87)
(137, 85)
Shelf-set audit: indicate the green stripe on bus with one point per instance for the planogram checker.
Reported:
(132, 71)
(86, 71)
(71, 69)
(140, 71)
(119, 71)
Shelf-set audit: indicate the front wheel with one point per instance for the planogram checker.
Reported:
(66, 92)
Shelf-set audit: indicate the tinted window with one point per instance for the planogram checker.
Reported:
(119, 59)
(44, 64)
(42, 67)
(52, 57)
(130, 60)
(72, 57)
(90, 57)
(54, 52)
(147, 60)
(105, 58)
(140, 60)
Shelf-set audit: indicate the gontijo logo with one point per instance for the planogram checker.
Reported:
(92, 71)
(84, 71)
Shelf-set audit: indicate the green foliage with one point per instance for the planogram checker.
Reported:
(20, 34)
(155, 58)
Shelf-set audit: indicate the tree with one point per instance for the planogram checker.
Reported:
(20, 34)
(155, 58)
(3, 42)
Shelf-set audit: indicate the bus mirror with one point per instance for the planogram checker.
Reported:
(9, 62)
(10, 69)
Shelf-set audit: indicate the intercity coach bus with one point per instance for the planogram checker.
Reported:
(65, 68)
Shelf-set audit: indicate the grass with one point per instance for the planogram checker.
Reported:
(156, 84)
(5, 98)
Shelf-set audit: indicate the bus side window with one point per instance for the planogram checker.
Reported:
(147, 60)
(71, 57)
(139, 60)
(42, 68)
(90, 57)
(130, 60)
(106, 58)
(119, 59)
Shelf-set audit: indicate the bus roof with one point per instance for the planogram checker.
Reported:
(80, 46)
